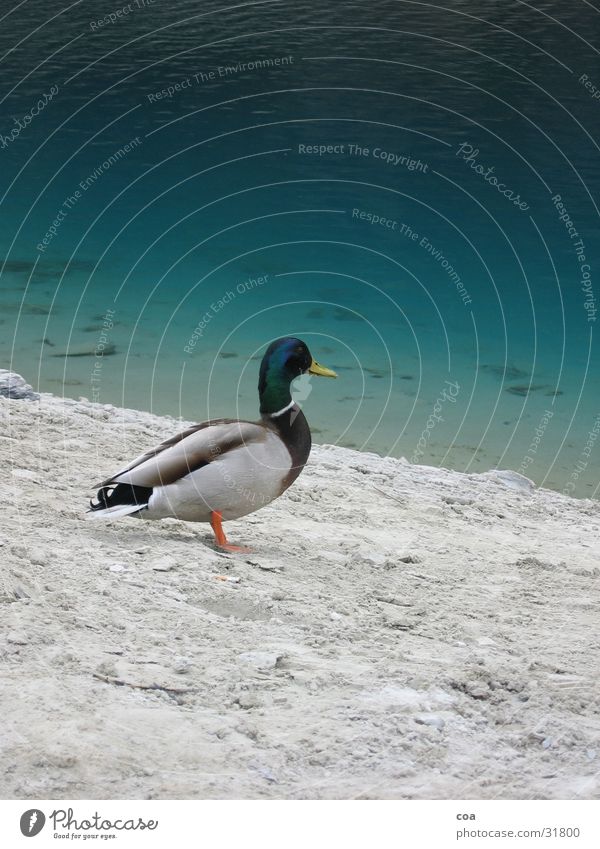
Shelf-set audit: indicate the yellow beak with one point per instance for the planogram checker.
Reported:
(315, 368)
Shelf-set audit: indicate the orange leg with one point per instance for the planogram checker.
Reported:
(216, 523)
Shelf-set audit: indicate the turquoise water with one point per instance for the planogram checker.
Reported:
(381, 180)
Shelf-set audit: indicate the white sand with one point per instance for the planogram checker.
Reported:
(398, 632)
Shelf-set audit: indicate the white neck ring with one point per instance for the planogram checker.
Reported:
(284, 410)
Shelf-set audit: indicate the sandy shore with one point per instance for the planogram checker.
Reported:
(399, 631)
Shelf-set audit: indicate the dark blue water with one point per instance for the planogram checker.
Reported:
(379, 179)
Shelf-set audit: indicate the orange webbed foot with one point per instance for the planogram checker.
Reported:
(235, 549)
(216, 522)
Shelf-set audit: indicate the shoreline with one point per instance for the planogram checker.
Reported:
(398, 631)
(501, 430)
(180, 422)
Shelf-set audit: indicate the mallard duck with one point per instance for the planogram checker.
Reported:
(224, 468)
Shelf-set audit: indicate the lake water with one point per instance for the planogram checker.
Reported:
(411, 190)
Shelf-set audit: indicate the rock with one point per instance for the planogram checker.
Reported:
(165, 564)
(430, 719)
(181, 665)
(87, 350)
(12, 385)
(248, 701)
(25, 474)
(17, 638)
(511, 480)
(457, 499)
(534, 563)
(261, 659)
(366, 558)
(265, 772)
(477, 690)
(107, 669)
(39, 557)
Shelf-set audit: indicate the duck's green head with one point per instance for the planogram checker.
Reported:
(284, 361)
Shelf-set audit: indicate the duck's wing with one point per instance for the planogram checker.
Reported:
(187, 451)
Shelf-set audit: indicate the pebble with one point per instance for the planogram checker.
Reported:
(38, 557)
(431, 719)
(107, 668)
(266, 773)
(25, 474)
(247, 701)
(182, 665)
(373, 558)
(477, 691)
(261, 659)
(117, 567)
(457, 499)
(17, 638)
(165, 564)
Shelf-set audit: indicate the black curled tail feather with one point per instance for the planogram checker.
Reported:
(102, 502)
(121, 493)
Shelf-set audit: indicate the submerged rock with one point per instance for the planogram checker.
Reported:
(12, 385)
(88, 350)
